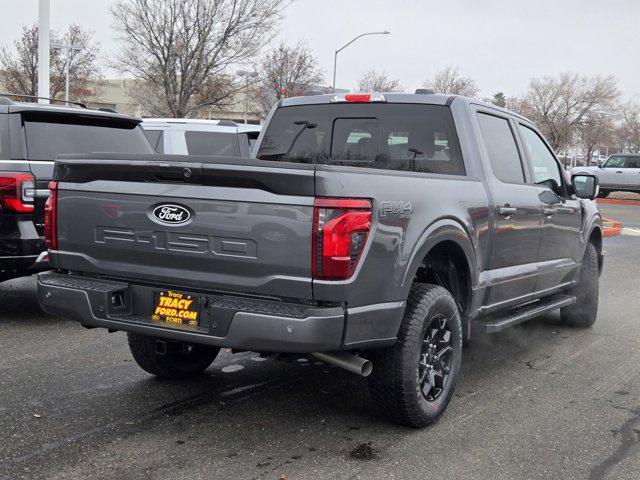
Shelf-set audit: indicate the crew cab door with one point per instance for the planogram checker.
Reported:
(517, 214)
(561, 243)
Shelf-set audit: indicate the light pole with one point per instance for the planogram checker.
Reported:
(335, 56)
(68, 51)
(44, 17)
(247, 75)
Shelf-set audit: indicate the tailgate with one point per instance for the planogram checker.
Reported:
(225, 224)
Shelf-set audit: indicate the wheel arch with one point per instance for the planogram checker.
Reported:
(448, 239)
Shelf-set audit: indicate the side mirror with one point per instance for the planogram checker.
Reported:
(585, 186)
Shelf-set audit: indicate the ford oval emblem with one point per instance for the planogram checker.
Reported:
(171, 214)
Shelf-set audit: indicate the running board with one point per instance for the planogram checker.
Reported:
(526, 312)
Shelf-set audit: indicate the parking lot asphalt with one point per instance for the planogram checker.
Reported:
(538, 401)
(629, 215)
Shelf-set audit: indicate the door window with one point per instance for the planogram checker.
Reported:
(614, 162)
(634, 162)
(546, 170)
(502, 149)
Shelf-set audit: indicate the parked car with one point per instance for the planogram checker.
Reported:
(218, 138)
(31, 136)
(620, 172)
(374, 232)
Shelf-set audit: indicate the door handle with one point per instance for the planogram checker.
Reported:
(549, 211)
(507, 211)
(619, 171)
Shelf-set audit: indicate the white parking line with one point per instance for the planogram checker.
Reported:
(631, 231)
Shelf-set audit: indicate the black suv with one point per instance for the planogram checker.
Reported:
(31, 137)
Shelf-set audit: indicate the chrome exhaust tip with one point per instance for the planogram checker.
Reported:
(347, 361)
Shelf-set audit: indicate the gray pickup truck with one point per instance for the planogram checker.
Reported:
(375, 232)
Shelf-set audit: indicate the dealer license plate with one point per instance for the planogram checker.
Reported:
(176, 309)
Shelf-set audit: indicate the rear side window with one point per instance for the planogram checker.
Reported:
(633, 162)
(408, 137)
(501, 147)
(216, 144)
(49, 135)
(156, 139)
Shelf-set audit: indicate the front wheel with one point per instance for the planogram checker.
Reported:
(583, 313)
(413, 381)
(170, 359)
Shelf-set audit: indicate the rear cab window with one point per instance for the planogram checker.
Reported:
(388, 136)
(49, 135)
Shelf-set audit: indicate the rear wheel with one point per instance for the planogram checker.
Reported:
(583, 313)
(413, 381)
(170, 359)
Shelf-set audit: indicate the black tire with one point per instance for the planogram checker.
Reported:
(584, 312)
(394, 385)
(180, 360)
(603, 193)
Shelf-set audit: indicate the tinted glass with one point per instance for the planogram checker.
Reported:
(156, 139)
(418, 138)
(215, 144)
(615, 162)
(51, 135)
(546, 170)
(633, 162)
(4, 137)
(502, 149)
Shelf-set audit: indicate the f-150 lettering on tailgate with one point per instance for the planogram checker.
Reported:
(176, 242)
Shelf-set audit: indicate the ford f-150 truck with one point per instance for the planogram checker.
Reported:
(375, 232)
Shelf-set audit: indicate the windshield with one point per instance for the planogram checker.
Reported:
(614, 162)
(51, 135)
(420, 138)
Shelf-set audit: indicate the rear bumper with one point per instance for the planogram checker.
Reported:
(226, 321)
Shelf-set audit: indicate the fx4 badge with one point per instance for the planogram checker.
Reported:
(400, 208)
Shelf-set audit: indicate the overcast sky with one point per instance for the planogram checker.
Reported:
(500, 43)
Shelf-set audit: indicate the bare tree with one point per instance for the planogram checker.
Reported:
(449, 80)
(179, 48)
(595, 131)
(559, 105)
(630, 128)
(285, 72)
(19, 65)
(372, 81)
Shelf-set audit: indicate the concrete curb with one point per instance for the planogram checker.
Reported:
(611, 227)
(619, 201)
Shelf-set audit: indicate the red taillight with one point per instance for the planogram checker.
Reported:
(17, 192)
(340, 229)
(50, 214)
